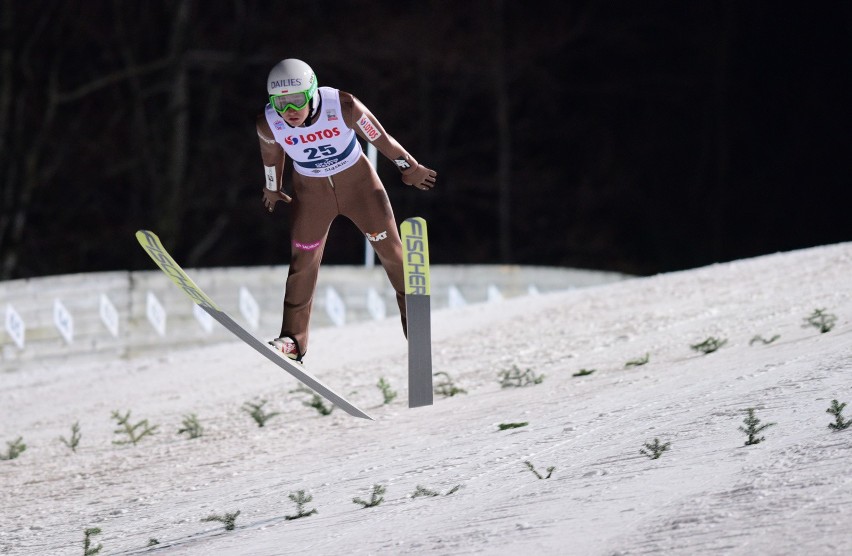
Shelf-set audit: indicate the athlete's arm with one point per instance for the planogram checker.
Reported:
(273, 163)
(358, 117)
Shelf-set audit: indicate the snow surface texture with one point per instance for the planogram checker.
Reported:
(708, 494)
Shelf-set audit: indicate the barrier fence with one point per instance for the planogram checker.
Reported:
(125, 314)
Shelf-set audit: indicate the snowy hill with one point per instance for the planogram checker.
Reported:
(708, 494)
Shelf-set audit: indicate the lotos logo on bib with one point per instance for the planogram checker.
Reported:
(311, 137)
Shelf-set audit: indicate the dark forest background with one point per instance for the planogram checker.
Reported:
(633, 136)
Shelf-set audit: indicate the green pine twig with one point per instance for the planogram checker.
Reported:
(88, 550)
(16, 448)
(376, 498)
(638, 362)
(709, 345)
(257, 412)
(532, 468)
(191, 426)
(515, 378)
(821, 320)
(387, 393)
(134, 433)
(228, 519)
(839, 423)
(75, 437)
(654, 450)
(753, 428)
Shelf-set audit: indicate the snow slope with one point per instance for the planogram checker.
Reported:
(708, 494)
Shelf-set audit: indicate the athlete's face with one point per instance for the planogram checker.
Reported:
(296, 117)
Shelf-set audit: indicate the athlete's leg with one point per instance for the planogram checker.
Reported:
(313, 209)
(363, 200)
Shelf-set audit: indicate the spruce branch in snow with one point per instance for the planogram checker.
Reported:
(515, 378)
(75, 437)
(820, 320)
(152, 542)
(506, 426)
(16, 447)
(839, 423)
(536, 473)
(763, 340)
(753, 428)
(423, 491)
(709, 345)
(227, 519)
(376, 497)
(191, 426)
(584, 372)
(87, 541)
(300, 499)
(387, 393)
(318, 403)
(654, 450)
(638, 362)
(134, 433)
(447, 387)
(257, 412)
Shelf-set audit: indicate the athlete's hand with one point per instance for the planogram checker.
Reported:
(419, 176)
(271, 197)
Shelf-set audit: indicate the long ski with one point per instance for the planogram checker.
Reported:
(415, 248)
(151, 243)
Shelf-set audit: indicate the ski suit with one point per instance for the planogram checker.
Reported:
(331, 177)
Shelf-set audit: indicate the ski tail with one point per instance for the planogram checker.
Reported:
(415, 247)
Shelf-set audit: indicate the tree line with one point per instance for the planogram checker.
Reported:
(623, 137)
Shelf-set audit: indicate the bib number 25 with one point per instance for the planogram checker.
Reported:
(320, 151)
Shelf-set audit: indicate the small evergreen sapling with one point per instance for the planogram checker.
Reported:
(506, 426)
(134, 433)
(536, 473)
(191, 426)
(300, 499)
(75, 437)
(423, 491)
(764, 341)
(16, 448)
(88, 550)
(258, 413)
(584, 372)
(839, 423)
(515, 378)
(709, 345)
(638, 362)
(654, 450)
(376, 498)
(387, 393)
(753, 428)
(820, 320)
(228, 519)
(317, 402)
(447, 387)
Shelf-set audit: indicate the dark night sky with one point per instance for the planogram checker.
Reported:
(645, 137)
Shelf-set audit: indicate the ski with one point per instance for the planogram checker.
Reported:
(415, 249)
(152, 245)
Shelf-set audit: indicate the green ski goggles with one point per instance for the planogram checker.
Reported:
(290, 101)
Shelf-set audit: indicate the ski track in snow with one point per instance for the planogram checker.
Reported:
(708, 494)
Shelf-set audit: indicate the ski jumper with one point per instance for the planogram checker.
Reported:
(331, 177)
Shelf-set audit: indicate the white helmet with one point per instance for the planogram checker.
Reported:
(291, 85)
